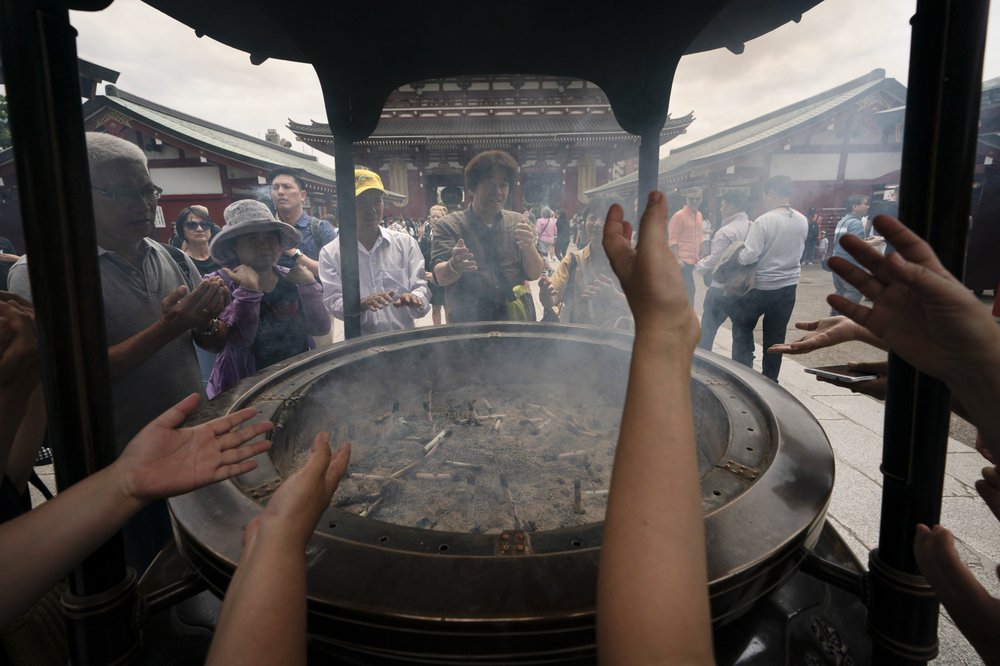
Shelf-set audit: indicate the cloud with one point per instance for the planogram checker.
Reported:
(834, 42)
(165, 62)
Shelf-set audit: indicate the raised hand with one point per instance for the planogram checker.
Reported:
(164, 459)
(649, 274)
(462, 260)
(299, 274)
(970, 605)
(826, 332)
(524, 234)
(920, 310)
(378, 300)
(244, 276)
(409, 300)
(185, 309)
(297, 505)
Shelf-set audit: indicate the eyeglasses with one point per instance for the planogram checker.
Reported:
(191, 224)
(127, 195)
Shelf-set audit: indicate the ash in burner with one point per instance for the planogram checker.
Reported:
(513, 459)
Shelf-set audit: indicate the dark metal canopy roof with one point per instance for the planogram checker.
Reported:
(637, 48)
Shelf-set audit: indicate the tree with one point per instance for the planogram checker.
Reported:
(5, 141)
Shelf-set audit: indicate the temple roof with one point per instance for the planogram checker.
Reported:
(768, 128)
(554, 127)
(91, 74)
(211, 137)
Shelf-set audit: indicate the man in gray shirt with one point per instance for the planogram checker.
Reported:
(153, 307)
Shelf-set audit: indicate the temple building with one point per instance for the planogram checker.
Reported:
(194, 160)
(843, 141)
(562, 132)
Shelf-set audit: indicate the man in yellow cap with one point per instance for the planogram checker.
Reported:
(390, 266)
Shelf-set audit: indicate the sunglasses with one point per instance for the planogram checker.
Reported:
(207, 226)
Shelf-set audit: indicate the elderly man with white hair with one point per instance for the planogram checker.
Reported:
(154, 306)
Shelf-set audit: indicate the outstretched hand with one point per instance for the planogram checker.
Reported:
(826, 332)
(378, 300)
(974, 611)
(298, 503)
(920, 310)
(164, 459)
(649, 274)
(462, 260)
(409, 300)
(185, 309)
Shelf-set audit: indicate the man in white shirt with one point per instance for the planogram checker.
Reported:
(775, 243)
(390, 265)
(734, 228)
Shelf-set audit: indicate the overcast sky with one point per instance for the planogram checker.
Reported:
(835, 42)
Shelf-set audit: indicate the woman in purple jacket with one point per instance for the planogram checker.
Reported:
(275, 311)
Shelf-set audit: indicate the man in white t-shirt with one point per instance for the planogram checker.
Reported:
(775, 243)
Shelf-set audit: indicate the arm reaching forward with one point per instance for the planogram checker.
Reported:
(163, 460)
(270, 581)
(928, 317)
(652, 591)
(827, 332)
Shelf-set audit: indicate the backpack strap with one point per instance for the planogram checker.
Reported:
(180, 259)
(314, 227)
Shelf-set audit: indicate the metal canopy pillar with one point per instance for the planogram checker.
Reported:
(942, 114)
(349, 120)
(649, 167)
(47, 122)
(347, 212)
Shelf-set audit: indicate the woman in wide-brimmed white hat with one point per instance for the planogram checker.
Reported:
(275, 311)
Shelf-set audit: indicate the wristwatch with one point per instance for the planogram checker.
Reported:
(213, 327)
(296, 254)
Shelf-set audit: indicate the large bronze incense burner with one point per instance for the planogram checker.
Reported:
(471, 522)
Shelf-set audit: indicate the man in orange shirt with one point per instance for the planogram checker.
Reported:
(685, 236)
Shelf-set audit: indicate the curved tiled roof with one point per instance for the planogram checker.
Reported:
(212, 137)
(767, 128)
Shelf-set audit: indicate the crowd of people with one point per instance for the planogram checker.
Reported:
(262, 288)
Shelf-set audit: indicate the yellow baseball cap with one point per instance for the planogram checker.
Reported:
(365, 180)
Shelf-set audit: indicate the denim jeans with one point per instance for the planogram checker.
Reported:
(687, 272)
(715, 311)
(846, 290)
(775, 305)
